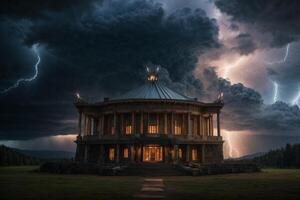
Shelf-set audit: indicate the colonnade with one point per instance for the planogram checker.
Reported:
(149, 123)
(175, 153)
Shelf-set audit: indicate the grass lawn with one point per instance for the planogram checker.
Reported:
(23, 183)
(281, 184)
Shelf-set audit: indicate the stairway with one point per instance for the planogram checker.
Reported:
(152, 169)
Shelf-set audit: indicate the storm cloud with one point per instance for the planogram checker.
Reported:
(275, 21)
(101, 52)
(99, 48)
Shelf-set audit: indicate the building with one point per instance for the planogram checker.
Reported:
(149, 124)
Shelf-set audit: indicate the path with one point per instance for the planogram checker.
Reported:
(153, 188)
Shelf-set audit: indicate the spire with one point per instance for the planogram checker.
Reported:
(152, 73)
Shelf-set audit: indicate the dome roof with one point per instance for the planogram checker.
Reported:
(153, 89)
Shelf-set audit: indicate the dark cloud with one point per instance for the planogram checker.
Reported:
(244, 109)
(245, 44)
(278, 18)
(35, 9)
(100, 52)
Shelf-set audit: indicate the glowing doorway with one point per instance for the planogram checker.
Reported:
(152, 153)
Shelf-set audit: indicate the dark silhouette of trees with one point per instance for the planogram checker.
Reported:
(9, 156)
(287, 157)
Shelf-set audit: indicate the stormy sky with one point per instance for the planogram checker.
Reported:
(246, 49)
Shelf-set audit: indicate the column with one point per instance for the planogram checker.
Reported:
(203, 126)
(189, 124)
(142, 153)
(211, 125)
(166, 154)
(92, 126)
(133, 123)
(118, 153)
(188, 149)
(198, 125)
(84, 125)
(85, 157)
(165, 124)
(79, 123)
(172, 124)
(147, 123)
(218, 123)
(203, 153)
(122, 131)
(142, 122)
(176, 153)
(102, 125)
(132, 153)
(115, 123)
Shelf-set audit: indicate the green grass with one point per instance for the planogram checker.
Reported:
(270, 184)
(24, 183)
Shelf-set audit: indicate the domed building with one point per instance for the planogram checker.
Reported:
(149, 124)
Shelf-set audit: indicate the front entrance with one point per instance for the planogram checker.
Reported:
(152, 153)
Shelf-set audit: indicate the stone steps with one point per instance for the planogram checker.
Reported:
(152, 188)
(152, 169)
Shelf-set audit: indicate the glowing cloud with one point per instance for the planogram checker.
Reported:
(19, 81)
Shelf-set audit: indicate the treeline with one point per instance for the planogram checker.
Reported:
(9, 156)
(287, 157)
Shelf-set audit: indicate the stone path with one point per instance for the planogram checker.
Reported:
(153, 188)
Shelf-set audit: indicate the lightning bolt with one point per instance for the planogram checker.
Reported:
(296, 99)
(275, 98)
(21, 80)
(287, 49)
(232, 152)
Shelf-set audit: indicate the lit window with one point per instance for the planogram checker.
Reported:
(152, 129)
(178, 128)
(128, 129)
(153, 124)
(194, 154)
(125, 153)
(180, 153)
(111, 154)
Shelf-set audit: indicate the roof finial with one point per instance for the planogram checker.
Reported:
(152, 73)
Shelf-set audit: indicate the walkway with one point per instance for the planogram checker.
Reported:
(153, 188)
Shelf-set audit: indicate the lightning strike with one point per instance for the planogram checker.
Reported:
(283, 59)
(232, 152)
(295, 101)
(275, 98)
(21, 80)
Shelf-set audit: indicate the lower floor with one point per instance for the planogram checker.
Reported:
(137, 153)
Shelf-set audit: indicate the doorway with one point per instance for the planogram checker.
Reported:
(152, 153)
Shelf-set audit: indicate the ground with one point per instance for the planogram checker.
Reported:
(24, 183)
